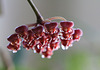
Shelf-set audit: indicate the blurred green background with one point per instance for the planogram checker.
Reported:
(84, 55)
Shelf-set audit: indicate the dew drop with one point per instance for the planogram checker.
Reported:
(38, 46)
(34, 51)
(58, 37)
(43, 30)
(14, 51)
(62, 37)
(43, 56)
(64, 47)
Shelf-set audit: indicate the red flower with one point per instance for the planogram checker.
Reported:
(46, 36)
(77, 34)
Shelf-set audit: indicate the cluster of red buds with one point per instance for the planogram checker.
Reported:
(45, 36)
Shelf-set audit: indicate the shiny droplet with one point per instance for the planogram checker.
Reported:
(14, 51)
(43, 56)
(64, 47)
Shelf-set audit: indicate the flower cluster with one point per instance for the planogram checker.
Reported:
(44, 38)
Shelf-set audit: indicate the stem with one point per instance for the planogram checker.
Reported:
(57, 17)
(37, 13)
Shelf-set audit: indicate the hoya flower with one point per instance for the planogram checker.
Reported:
(44, 36)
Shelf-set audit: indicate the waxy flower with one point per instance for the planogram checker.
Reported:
(45, 36)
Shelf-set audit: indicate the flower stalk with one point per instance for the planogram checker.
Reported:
(56, 18)
(37, 13)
